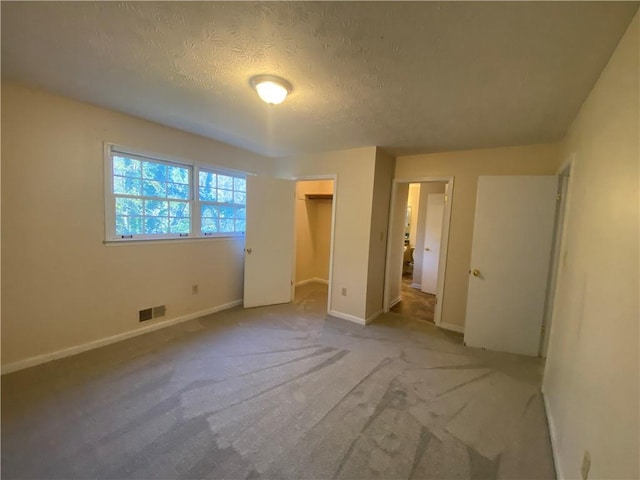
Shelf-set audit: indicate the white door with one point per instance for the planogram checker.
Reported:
(268, 259)
(432, 235)
(510, 259)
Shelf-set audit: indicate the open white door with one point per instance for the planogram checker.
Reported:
(510, 258)
(432, 236)
(268, 259)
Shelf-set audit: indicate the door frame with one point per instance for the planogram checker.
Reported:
(334, 202)
(444, 241)
(567, 169)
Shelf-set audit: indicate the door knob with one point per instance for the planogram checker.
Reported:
(248, 250)
(476, 273)
(427, 249)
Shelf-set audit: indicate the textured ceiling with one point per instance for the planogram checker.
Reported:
(408, 76)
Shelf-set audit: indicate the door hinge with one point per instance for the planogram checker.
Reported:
(542, 329)
(558, 197)
(446, 199)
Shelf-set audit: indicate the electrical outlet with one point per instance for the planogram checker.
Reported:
(586, 465)
(344, 292)
(194, 289)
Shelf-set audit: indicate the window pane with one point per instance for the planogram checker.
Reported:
(209, 225)
(226, 212)
(239, 198)
(178, 174)
(128, 225)
(126, 185)
(156, 208)
(152, 197)
(152, 188)
(239, 184)
(225, 196)
(177, 190)
(179, 225)
(207, 194)
(240, 225)
(156, 225)
(240, 213)
(128, 206)
(179, 209)
(154, 171)
(225, 182)
(227, 225)
(126, 167)
(207, 179)
(208, 211)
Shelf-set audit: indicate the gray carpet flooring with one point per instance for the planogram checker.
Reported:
(279, 392)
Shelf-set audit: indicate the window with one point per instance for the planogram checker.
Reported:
(222, 202)
(150, 198)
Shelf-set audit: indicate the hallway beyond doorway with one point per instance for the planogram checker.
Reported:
(414, 303)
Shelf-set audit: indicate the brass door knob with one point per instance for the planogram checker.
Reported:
(248, 250)
(427, 249)
(476, 273)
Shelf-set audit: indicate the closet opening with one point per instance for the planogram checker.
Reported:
(314, 219)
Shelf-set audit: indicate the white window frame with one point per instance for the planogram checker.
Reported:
(111, 149)
(217, 171)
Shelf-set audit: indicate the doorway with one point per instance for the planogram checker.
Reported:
(314, 207)
(416, 253)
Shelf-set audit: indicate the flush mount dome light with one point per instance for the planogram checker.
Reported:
(271, 89)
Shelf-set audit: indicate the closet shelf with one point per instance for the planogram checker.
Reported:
(319, 196)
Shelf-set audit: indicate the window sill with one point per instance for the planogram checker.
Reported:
(142, 241)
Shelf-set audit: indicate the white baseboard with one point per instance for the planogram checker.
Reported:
(553, 436)
(371, 318)
(416, 285)
(451, 326)
(397, 300)
(67, 352)
(346, 316)
(311, 280)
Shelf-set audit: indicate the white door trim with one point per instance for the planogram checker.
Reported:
(444, 243)
(567, 168)
(334, 177)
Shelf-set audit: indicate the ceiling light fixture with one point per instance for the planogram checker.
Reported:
(271, 89)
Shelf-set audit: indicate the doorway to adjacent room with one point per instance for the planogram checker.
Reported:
(417, 247)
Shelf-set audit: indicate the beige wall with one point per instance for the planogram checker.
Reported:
(355, 173)
(313, 231)
(418, 254)
(466, 166)
(383, 179)
(592, 369)
(414, 203)
(61, 286)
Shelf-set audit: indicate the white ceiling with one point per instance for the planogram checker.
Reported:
(412, 77)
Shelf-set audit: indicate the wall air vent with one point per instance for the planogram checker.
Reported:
(146, 314)
(151, 313)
